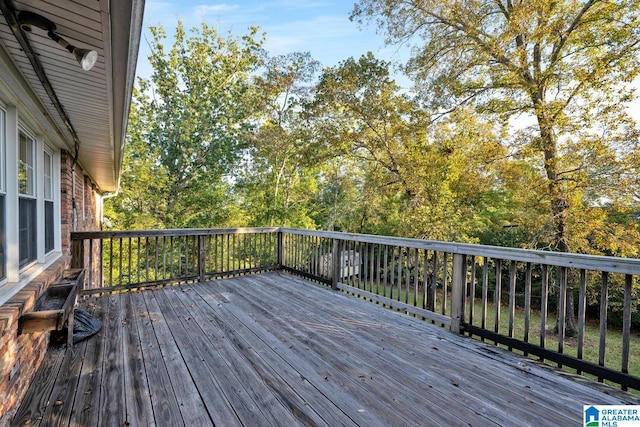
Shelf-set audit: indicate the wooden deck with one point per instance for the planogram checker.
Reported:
(277, 350)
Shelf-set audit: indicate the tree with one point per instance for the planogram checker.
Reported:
(278, 179)
(195, 111)
(567, 63)
(139, 203)
(419, 175)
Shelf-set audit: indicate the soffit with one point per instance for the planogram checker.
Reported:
(96, 102)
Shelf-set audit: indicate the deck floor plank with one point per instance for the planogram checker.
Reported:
(455, 379)
(64, 392)
(220, 354)
(274, 349)
(164, 404)
(491, 359)
(209, 373)
(36, 401)
(86, 405)
(139, 410)
(374, 370)
(112, 390)
(190, 404)
(321, 345)
(290, 376)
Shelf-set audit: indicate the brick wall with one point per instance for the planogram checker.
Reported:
(86, 195)
(21, 355)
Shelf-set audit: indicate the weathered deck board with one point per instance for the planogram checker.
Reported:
(326, 364)
(164, 404)
(274, 349)
(239, 382)
(192, 410)
(138, 401)
(86, 405)
(457, 382)
(248, 363)
(112, 391)
(37, 399)
(374, 370)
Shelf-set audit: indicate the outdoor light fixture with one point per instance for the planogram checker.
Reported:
(85, 57)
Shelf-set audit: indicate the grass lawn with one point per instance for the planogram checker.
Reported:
(613, 347)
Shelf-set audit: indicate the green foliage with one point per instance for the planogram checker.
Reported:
(278, 181)
(140, 203)
(417, 177)
(564, 63)
(223, 135)
(189, 125)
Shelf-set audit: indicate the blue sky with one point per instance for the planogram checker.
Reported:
(321, 27)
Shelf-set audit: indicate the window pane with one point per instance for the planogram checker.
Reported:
(48, 226)
(26, 166)
(48, 178)
(27, 226)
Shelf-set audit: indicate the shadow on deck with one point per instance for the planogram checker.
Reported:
(274, 349)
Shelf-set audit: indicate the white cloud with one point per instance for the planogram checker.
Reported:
(215, 8)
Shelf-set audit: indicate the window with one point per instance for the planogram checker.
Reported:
(30, 198)
(27, 199)
(49, 240)
(3, 237)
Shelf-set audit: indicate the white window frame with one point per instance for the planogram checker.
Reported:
(33, 192)
(48, 161)
(18, 276)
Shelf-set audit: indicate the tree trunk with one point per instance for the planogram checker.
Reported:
(559, 207)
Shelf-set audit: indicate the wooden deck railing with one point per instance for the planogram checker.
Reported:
(510, 297)
(121, 260)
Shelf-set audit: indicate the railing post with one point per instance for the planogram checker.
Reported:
(202, 257)
(336, 260)
(458, 289)
(280, 250)
(77, 253)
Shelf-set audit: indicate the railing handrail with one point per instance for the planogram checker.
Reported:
(123, 234)
(561, 259)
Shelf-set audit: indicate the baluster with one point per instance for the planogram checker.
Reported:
(604, 299)
(512, 297)
(544, 297)
(582, 307)
(472, 290)
(485, 292)
(416, 274)
(527, 302)
(445, 280)
(498, 296)
(626, 325)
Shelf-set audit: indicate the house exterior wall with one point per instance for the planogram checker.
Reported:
(88, 215)
(21, 355)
